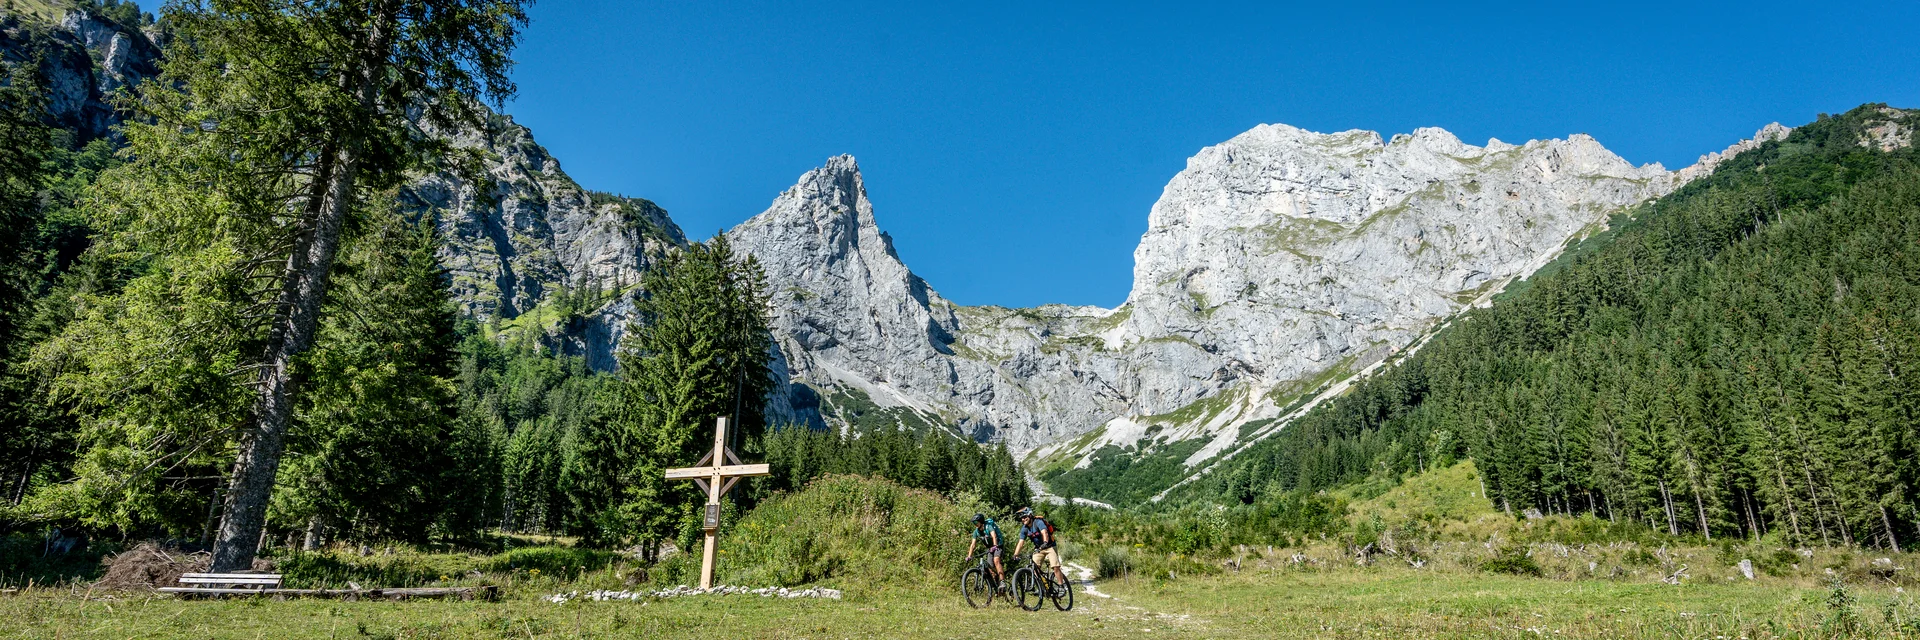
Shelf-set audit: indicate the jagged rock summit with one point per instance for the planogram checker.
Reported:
(1273, 261)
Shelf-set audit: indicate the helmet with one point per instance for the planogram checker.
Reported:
(979, 518)
(1024, 512)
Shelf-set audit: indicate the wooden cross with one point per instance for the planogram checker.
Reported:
(715, 479)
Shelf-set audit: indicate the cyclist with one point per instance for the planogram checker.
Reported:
(1036, 529)
(985, 531)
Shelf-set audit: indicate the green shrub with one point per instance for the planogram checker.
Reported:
(1113, 562)
(1777, 563)
(1585, 528)
(1841, 620)
(1512, 559)
(565, 562)
(848, 530)
(1639, 556)
(1069, 551)
(22, 560)
(1160, 567)
(331, 569)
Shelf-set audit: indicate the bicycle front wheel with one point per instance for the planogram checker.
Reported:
(1063, 596)
(1027, 586)
(973, 585)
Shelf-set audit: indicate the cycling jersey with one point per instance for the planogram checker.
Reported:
(989, 534)
(1032, 531)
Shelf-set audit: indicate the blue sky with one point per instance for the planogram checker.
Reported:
(1013, 150)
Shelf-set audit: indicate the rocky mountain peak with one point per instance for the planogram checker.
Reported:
(832, 201)
(847, 312)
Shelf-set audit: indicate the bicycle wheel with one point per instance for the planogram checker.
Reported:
(1026, 585)
(1063, 596)
(974, 585)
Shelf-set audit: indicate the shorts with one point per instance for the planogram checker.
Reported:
(993, 552)
(1050, 556)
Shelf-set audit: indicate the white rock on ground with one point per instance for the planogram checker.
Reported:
(684, 591)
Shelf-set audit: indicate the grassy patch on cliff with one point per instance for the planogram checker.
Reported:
(850, 407)
(1125, 476)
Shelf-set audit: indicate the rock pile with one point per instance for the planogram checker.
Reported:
(684, 590)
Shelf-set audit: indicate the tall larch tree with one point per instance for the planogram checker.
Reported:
(272, 124)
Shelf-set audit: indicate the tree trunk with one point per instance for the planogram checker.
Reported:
(1700, 506)
(298, 310)
(26, 473)
(1666, 499)
(1819, 514)
(312, 541)
(1887, 521)
(1786, 495)
(303, 290)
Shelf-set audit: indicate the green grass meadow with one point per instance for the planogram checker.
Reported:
(1447, 565)
(1257, 602)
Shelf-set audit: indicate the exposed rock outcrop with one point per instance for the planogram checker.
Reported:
(1274, 257)
(83, 61)
(1707, 163)
(519, 230)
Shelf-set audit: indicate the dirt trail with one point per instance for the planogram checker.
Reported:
(1083, 583)
(1083, 578)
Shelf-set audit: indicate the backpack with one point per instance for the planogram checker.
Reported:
(1052, 533)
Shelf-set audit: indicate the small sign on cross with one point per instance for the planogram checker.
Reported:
(715, 479)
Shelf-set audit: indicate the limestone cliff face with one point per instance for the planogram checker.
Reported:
(83, 60)
(1283, 252)
(519, 230)
(846, 311)
(1275, 257)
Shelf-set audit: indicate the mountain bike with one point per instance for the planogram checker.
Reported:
(1032, 580)
(979, 585)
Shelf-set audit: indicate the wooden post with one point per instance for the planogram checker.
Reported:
(715, 479)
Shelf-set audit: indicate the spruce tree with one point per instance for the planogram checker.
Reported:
(380, 452)
(24, 145)
(698, 349)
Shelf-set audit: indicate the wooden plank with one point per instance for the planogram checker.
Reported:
(728, 470)
(466, 593)
(231, 580)
(275, 576)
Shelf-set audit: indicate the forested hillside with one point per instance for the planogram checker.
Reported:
(143, 288)
(1739, 358)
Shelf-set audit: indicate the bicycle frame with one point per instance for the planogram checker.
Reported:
(985, 565)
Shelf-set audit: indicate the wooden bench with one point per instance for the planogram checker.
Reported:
(226, 583)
